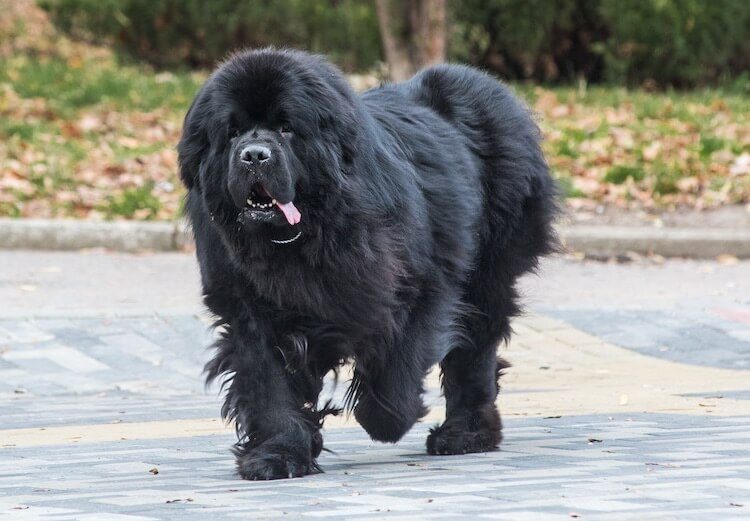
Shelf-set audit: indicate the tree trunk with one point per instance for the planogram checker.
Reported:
(393, 34)
(413, 34)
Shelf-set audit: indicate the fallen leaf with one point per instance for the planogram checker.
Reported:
(128, 142)
(652, 151)
(741, 165)
(727, 260)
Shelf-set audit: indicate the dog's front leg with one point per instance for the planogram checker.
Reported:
(276, 438)
(390, 398)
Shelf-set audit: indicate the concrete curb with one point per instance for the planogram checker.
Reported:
(131, 236)
(127, 236)
(699, 243)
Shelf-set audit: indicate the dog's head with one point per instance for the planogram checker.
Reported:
(268, 139)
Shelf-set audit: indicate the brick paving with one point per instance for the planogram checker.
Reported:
(645, 467)
(719, 337)
(613, 411)
(67, 451)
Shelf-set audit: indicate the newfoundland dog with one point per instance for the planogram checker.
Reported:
(386, 229)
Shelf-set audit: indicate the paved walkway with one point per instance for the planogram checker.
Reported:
(633, 409)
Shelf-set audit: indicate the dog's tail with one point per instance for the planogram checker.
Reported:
(500, 130)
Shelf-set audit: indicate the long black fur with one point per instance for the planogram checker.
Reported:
(422, 203)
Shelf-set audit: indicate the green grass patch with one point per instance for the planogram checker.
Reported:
(567, 188)
(131, 201)
(68, 87)
(565, 149)
(618, 174)
(22, 130)
(122, 153)
(709, 145)
(665, 179)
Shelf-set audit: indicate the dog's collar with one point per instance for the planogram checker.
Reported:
(287, 241)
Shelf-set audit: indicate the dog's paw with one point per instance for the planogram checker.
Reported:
(454, 439)
(263, 464)
(388, 424)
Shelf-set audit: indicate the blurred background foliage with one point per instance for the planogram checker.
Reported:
(198, 33)
(646, 42)
(644, 105)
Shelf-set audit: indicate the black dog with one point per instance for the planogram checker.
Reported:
(387, 228)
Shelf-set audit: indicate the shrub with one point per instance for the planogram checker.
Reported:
(539, 39)
(662, 42)
(676, 42)
(197, 33)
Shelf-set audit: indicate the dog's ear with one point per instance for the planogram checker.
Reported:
(194, 143)
(342, 103)
(342, 128)
(349, 139)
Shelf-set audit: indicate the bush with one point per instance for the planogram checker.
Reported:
(664, 42)
(197, 33)
(546, 40)
(676, 42)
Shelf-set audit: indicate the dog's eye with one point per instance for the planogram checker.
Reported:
(234, 132)
(285, 130)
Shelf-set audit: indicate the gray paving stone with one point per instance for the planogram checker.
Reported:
(647, 466)
(694, 337)
(637, 476)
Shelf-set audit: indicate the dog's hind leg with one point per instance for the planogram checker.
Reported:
(471, 370)
(470, 383)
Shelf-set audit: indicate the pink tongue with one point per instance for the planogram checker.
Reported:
(290, 212)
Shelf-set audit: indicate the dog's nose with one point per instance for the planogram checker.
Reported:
(255, 154)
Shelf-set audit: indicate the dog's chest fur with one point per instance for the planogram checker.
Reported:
(355, 290)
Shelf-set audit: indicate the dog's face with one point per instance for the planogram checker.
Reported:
(259, 178)
(267, 138)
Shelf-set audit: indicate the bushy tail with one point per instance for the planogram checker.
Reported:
(519, 192)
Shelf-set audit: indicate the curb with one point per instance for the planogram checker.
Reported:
(596, 241)
(125, 236)
(697, 243)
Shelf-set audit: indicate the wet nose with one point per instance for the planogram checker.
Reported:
(255, 154)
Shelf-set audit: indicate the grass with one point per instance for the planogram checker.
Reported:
(618, 174)
(611, 145)
(86, 136)
(71, 85)
(83, 135)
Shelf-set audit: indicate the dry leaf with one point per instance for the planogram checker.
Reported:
(727, 260)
